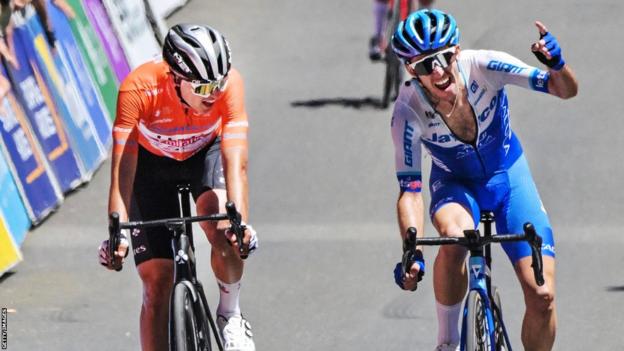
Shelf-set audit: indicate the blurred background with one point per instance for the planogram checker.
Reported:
(322, 181)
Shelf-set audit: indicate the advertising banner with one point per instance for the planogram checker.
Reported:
(35, 98)
(37, 185)
(70, 55)
(159, 27)
(9, 252)
(79, 126)
(11, 205)
(98, 17)
(95, 57)
(164, 8)
(133, 30)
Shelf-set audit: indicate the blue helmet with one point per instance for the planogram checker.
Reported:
(424, 31)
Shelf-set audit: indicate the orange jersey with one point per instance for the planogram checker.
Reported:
(150, 113)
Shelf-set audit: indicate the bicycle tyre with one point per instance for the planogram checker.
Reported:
(204, 326)
(392, 78)
(477, 337)
(185, 336)
(499, 334)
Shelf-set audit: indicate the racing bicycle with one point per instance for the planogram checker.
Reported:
(190, 320)
(482, 324)
(399, 9)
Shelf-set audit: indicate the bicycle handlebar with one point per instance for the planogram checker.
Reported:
(473, 240)
(115, 227)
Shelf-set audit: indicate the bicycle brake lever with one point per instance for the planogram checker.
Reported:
(114, 233)
(409, 252)
(237, 227)
(536, 253)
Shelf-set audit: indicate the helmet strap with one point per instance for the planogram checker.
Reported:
(176, 82)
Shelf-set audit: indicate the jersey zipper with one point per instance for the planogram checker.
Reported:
(476, 139)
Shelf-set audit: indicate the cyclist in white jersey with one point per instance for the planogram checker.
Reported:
(456, 107)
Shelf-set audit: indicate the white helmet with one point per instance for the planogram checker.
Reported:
(197, 52)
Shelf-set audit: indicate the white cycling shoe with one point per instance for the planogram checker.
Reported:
(236, 334)
(447, 347)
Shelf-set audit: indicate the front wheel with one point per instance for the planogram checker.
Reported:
(477, 333)
(184, 320)
(500, 339)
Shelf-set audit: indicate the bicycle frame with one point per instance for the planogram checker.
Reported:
(480, 280)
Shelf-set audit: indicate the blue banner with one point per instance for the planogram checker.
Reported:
(11, 206)
(38, 187)
(34, 96)
(70, 54)
(83, 138)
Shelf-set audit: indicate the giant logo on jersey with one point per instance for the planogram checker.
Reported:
(408, 134)
(500, 66)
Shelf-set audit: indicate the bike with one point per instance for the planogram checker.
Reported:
(399, 9)
(483, 328)
(190, 320)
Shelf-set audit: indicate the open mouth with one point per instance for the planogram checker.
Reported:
(444, 83)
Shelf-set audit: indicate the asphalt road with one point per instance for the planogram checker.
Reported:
(323, 189)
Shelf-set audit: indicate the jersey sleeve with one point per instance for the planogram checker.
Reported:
(406, 134)
(130, 107)
(235, 124)
(504, 69)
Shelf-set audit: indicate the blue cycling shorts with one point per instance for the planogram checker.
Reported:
(511, 195)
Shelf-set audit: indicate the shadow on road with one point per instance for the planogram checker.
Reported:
(615, 288)
(357, 103)
(5, 276)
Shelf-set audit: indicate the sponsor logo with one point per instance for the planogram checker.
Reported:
(491, 107)
(483, 91)
(136, 232)
(444, 138)
(500, 66)
(437, 185)
(548, 247)
(476, 270)
(181, 62)
(153, 92)
(410, 183)
(223, 288)
(181, 257)
(140, 249)
(430, 114)
(466, 150)
(161, 120)
(540, 80)
(408, 134)
(474, 86)
(434, 124)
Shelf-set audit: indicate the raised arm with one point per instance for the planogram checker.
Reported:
(562, 82)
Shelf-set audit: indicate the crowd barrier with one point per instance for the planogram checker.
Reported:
(56, 119)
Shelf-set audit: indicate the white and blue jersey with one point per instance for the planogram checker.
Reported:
(489, 173)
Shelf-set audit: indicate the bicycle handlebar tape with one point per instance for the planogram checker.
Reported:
(113, 239)
(237, 227)
(536, 252)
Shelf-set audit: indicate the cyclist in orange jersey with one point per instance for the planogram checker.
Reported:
(182, 120)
